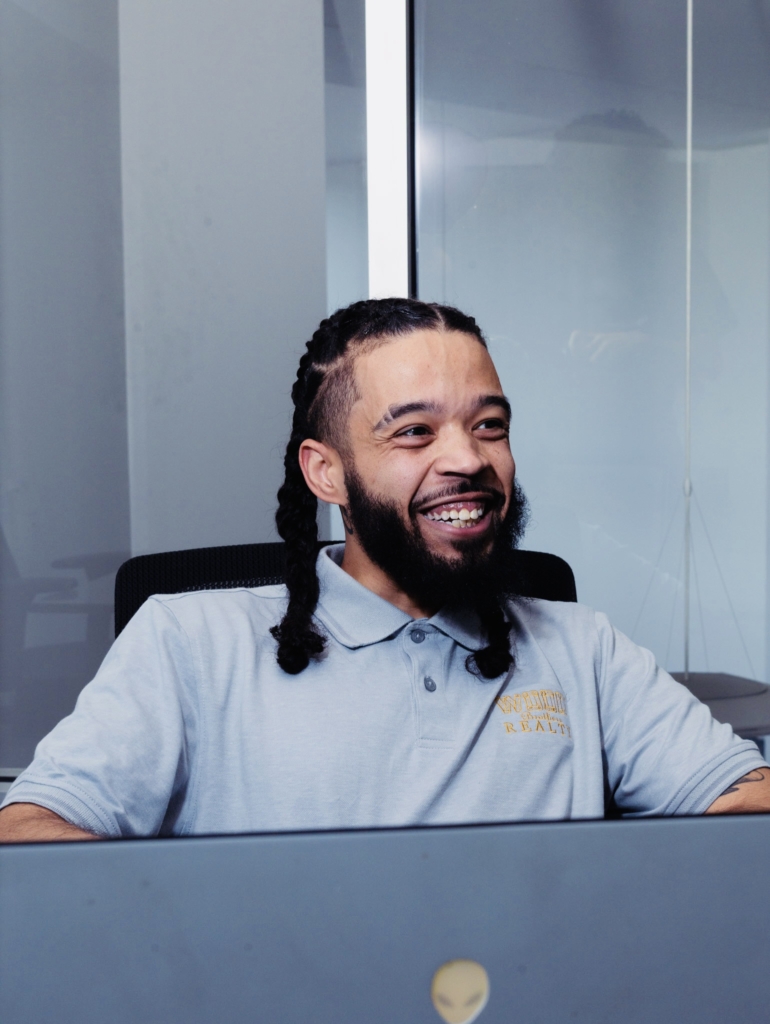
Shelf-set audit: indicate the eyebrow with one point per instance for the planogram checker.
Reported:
(395, 412)
(499, 400)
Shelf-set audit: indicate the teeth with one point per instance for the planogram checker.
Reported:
(460, 518)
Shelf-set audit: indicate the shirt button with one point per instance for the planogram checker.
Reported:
(430, 685)
(417, 635)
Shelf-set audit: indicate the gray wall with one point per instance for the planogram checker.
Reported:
(64, 517)
(170, 153)
(223, 212)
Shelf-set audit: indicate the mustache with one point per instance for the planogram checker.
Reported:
(492, 495)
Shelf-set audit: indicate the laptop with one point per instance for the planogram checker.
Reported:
(651, 921)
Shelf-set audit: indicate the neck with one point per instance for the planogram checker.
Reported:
(357, 564)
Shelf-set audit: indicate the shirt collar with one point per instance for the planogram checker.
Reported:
(357, 617)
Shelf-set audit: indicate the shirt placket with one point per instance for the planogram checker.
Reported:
(425, 648)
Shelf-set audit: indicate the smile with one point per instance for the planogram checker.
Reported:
(461, 515)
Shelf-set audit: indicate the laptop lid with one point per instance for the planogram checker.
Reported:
(628, 921)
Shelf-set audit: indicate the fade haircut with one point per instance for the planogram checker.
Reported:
(323, 395)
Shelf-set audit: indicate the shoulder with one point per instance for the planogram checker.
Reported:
(577, 636)
(549, 619)
(221, 611)
(574, 638)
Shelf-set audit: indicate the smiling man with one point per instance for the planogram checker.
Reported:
(397, 679)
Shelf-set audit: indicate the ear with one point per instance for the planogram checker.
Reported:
(323, 472)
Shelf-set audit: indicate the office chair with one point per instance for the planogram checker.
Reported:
(257, 565)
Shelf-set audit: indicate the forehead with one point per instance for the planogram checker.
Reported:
(448, 368)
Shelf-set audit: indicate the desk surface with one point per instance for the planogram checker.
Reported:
(632, 921)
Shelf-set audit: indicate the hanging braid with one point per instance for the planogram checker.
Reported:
(497, 657)
(323, 394)
(296, 519)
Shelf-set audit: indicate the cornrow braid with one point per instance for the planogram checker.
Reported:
(297, 518)
(316, 416)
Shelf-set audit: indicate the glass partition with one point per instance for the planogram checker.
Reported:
(346, 228)
(347, 266)
(64, 510)
(191, 142)
(550, 142)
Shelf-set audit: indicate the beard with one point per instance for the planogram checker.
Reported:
(481, 574)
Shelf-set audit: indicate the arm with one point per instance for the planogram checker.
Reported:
(665, 753)
(112, 767)
(28, 823)
(748, 795)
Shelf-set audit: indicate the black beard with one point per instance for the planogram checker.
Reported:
(480, 576)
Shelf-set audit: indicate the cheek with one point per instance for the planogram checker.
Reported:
(404, 487)
(506, 473)
(395, 476)
(505, 467)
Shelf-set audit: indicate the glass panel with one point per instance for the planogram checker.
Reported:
(551, 205)
(64, 520)
(346, 235)
(347, 263)
(731, 237)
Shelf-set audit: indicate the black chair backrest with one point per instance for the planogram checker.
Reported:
(257, 565)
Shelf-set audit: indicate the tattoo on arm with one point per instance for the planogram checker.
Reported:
(758, 775)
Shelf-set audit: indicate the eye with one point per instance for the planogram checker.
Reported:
(413, 432)
(495, 427)
(415, 436)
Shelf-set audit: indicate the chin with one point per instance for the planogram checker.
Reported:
(453, 549)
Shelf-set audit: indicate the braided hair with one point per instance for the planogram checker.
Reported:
(323, 394)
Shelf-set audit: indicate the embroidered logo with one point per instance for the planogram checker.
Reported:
(542, 711)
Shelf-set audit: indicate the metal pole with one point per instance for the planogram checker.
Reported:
(688, 345)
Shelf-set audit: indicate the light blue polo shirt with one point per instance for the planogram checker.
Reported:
(191, 727)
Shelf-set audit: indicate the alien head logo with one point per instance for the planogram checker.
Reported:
(460, 991)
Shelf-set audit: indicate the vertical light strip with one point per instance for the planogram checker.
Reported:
(688, 344)
(387, 125)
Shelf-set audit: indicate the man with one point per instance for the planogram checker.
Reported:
(402, 681)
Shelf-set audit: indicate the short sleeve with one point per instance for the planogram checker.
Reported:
(119, 764)
(664, 751)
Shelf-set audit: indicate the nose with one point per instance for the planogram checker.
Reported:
(460, 454)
